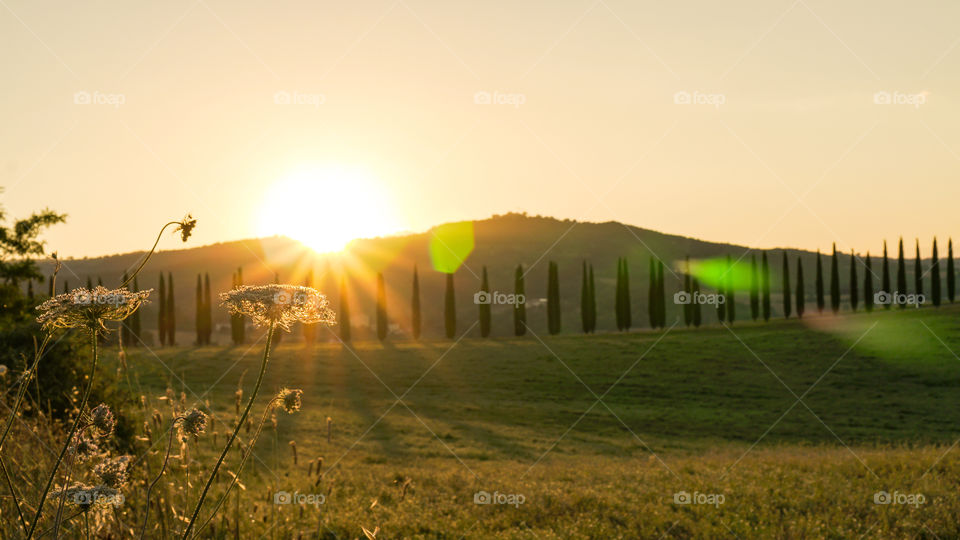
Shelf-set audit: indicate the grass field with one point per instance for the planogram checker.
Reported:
(797, 425)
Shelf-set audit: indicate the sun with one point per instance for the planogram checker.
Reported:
(326, 208)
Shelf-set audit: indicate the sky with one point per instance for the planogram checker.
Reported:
(791, 123)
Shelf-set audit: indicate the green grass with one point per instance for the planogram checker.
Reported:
(681, 410)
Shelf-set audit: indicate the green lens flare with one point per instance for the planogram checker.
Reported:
(450, 245)
(720, 273)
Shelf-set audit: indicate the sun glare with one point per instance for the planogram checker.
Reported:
(326, 209)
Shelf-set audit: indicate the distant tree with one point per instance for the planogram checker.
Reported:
(661, 296)
(918, 271)
(309, 330)
(584, 299)
(696, 305)
(801, 294)
(415, 305)
(593, 302)
(754, 289)
(652, 312)
(835, 281)
(198, 324)
(885, 278)
(553, 299)
(30, 289)
(89, 284)
(731, 298)
(819, 284)
(519, 308)
(854, 286)
(485, 307)
(345, 333)
(935, 275)
(381, 307)
(901, 274)
(207, 311)
(627, 308)
(450, 309)
(162, 313)
(951, 279)
(868, 286)
(687, 288)
(765, 286)
(171, 318)
(785, 265)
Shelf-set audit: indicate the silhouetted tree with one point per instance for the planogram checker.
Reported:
(661, 296)
(868, 286)
(415, 305)
(171, 312)
(801, 294)
(207, 311)
(918, 271)
(854, 282)
(345, 327)
(935, 275)
(584, 300)
(450, 309)
(696, 306)
(485, 307)
(162, 311)
(951, 283)
(66, 286)
(885, 277)
(652, 312)
(593, 302)
(519, 308)
(381, 307)
(199, 307)
(819, 284)
(687, 288)
(786, 286)
(835, 281)
(901, 274)
(553, 299)
(627, 308)
(765, 286)
(89, 284)
(754, 289)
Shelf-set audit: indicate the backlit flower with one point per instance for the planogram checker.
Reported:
(282, 305)
(185, 227)
(86, 308)
(290, 399)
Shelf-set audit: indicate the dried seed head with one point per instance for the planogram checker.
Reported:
(113, 472)
(101, 418)
(84, 448)
(192, 424)
(290, 399)
(185, 227)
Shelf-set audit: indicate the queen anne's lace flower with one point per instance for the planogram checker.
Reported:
(282, 305)
(290, 399)
(193, 423)
(113, 472)
(90, 308)
(185, 227)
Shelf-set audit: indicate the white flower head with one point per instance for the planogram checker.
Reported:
(90, 308)
(282, 305)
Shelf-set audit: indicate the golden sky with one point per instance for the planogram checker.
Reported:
(767, 123)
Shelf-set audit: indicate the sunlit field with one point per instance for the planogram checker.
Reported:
(597, 435)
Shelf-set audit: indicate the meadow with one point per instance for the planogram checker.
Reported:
(790, 429)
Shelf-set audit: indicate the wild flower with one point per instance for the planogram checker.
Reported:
(185, 227)
(89, 308)
(102, 420)
(290, 399)
(113, 472)
(280, 305)
(85, 448)
(192, 424)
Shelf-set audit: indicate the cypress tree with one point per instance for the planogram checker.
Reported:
(89, 284)
(935, 275)
(801, 294)
(951, 283)
(901, 274)
(162, 313)
(765, 286)
(199, 307)
(415, 306)
(854, 287)
(519, 308)
(345, 333)
(621, 324)
(731, 300)
(918, 271)
(835, 281)
(171, 312)
(661, 296)
(584, 300)
(868, 286)
(696, 305)
(207, 311)
(819, 284)
(484, 307)
(885, 277)
(30, 290)
(66, 286)
(592, 302)
(786, 286)
(652, 295)
(687, 288)
(450, 309)
(627, 309)
(754, 289)
(309, 330)
(381, 307)
(553, 299)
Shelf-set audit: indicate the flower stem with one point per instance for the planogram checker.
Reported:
(166, 457)
(66, 445)
(13, 493)
(236, 430)
(148, 255)
(22, 391)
